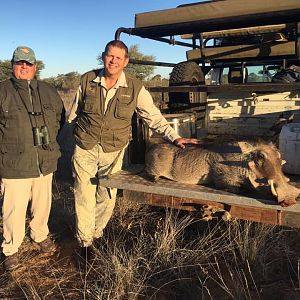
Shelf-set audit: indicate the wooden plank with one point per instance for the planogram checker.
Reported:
(254, 214)
(245, 124)
(290, 219)
(166, 187)
(166, 193)
(237, 120)
(240, 128)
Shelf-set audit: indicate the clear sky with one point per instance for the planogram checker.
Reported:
(68, 35)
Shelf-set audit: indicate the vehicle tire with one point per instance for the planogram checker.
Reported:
(186, 73)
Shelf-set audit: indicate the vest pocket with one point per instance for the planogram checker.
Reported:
(90, 105)
(124, 111)
(49, 111)
(11, 148)
(13, 156)
(7, 114)
(120, 138)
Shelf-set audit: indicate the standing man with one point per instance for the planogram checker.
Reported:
(30, 112)
(104, 105)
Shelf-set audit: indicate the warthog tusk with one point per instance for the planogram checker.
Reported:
(283, 162)
(271, 183)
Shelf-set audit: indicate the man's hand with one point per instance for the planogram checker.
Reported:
(181, 142)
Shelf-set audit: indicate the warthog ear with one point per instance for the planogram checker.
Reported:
(245, 147)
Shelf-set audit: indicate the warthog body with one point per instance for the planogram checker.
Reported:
(232, 167)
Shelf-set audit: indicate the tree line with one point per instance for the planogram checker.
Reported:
(70, 81)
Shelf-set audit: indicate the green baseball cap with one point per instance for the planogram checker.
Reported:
(24, 53)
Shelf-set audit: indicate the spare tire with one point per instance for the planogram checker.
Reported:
(186, 73)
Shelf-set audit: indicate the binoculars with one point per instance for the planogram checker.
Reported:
(40, 136)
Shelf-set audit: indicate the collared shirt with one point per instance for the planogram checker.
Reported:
(146, 108)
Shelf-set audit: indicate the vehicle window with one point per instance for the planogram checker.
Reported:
(255, 74)
(224, 76)
(261, 73)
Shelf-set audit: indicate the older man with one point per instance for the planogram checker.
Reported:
(30, 112)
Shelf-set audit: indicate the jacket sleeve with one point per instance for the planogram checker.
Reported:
(152, 116)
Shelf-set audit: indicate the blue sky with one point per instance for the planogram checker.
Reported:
(69, 35)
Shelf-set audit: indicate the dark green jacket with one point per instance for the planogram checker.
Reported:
(111, 129)
(19, 157)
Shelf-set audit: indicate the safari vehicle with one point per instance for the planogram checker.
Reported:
(225, 86)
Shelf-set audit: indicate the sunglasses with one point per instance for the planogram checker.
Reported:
(22, 62)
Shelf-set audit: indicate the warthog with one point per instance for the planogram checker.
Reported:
(233, 167)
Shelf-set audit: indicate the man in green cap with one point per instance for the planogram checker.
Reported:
(30, 112)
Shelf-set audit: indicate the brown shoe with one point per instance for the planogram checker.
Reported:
(11, 262)
(46, 246)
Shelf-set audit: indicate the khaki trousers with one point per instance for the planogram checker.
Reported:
(16, 196)
(94, 205)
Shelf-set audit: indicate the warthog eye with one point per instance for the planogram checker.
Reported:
(259, 158)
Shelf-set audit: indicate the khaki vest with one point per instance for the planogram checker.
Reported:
(112, 129)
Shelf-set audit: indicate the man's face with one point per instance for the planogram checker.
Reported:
(114, 61)
(24, 70)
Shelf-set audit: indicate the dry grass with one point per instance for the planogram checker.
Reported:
(153, 253)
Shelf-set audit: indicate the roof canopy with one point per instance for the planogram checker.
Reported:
(215, 15)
